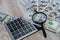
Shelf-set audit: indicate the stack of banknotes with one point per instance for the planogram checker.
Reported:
(50, 7)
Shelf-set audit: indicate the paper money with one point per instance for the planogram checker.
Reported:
(52, 25)
(50, 7)
(2, 16)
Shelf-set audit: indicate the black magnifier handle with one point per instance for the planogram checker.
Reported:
(41, 28)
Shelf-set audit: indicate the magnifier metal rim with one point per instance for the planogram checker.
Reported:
(39, 13)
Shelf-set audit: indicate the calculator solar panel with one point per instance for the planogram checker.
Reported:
(19, 28)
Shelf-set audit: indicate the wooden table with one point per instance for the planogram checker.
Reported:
(12, 7)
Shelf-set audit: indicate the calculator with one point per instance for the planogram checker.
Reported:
(18, 28)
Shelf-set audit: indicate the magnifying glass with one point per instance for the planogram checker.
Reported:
(40, 18)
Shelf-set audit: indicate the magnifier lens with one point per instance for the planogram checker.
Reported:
(39, 17)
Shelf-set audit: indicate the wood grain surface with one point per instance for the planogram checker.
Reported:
(12, 7)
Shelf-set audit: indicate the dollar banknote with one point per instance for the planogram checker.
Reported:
(52, 26)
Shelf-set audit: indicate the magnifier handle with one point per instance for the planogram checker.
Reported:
(43, 30)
